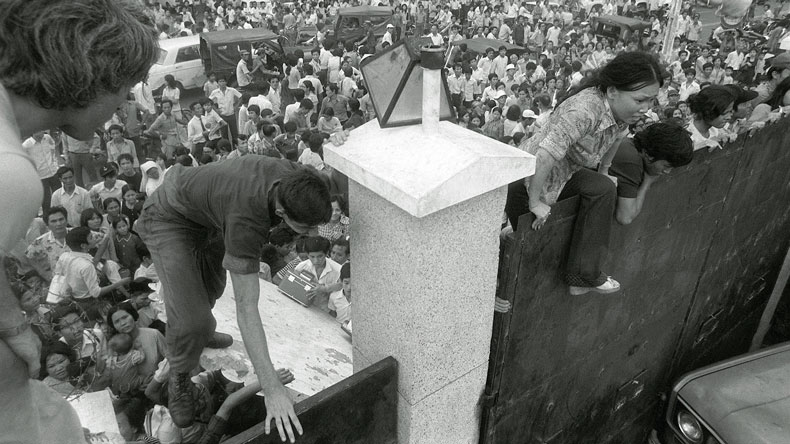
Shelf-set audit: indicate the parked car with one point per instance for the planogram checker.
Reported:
(743, 400)
(181, 58)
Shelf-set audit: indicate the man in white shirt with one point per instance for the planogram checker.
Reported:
(553, 34)
(387, 37)
(227, 99)
(262, 99)
(690, 86)
(243, 76)
(41, 148)
(436, 38)
(111, 186)
(499, 63)
(144, 96)
(80, 278)
(43, 253)
(735, 59)
(70, 196)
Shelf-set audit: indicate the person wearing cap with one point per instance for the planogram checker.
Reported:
(779, 70)
(528, 118)
(387, 37)
(510, 78)
(109, 187)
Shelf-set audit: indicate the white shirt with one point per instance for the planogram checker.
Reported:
(242, 74)
(262, 101)
(43, 154)
(686, 90)
(225, 100)
(74, 203)
(81, 279)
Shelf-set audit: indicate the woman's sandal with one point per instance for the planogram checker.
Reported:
(610, 286)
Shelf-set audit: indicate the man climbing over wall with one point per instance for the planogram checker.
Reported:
(640, 160)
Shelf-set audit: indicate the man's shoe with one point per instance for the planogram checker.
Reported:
(220, 340)
(610, 286)
(180, 401)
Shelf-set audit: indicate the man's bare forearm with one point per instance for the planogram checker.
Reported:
(246, 289)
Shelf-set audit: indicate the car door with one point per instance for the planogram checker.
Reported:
(188, 67)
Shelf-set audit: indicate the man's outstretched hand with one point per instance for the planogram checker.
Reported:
(279, 407)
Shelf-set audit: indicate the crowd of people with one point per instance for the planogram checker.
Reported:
(177, 194)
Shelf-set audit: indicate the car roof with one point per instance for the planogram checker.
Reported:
(743, 398)
(365, 10)
(179, 42)
(238, 35)
(619, 20)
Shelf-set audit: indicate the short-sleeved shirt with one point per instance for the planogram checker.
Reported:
(629, 169)
(231, 197)
(578, 134)
(225, 100)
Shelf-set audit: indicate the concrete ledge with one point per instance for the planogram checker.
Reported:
(423, 172)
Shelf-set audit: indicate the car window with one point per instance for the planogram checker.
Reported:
(187, 53)
(375, 21)
(160, 60)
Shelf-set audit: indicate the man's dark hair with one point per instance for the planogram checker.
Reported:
(317, 243)
(304, 196)
(63, 170)
(115, 127)
(64, 55)
(306, 104)
(666, 141)
(280, 236)
(76, 237)
(54, 210)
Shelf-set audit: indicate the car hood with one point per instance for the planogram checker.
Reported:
(745, 403)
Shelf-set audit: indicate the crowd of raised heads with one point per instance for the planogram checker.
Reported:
(86, 282)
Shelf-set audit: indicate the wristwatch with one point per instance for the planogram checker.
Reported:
(13, 331)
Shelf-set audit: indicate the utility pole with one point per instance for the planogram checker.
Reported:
(669, 31)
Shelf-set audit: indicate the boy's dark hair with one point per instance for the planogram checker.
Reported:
(298, 95)
(305, 197)
(345, 271)
(306, 104)
(666, 141)
(126, 156)
(76, 237)
(343, 242)
(315, 244)
(224, 145)
(290, 126)
(280, 236)
(62, 63)
(115, 127)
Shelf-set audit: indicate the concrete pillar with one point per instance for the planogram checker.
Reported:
(426, 209)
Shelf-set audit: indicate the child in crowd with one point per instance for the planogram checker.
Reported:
(301, 256)
(288, 144)
(328, 123)
(279, 251)
(341, 250)
(325, 270)
(123, 366)
(340, 301)
(314, 156)
(147, 269)
(128, 246)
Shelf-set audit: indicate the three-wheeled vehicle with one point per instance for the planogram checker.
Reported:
(350, 23)
(221, 50)
(619, 28)
(743, 400)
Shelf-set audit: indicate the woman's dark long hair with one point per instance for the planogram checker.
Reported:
(123, 306)
(629, 71)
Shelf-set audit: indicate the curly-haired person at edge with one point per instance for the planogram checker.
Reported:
(67, 65)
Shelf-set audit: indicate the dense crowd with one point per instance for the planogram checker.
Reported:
(602, 115)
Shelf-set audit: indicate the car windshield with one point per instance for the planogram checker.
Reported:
(160, 60)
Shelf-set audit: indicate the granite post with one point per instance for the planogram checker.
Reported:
(426, 208)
